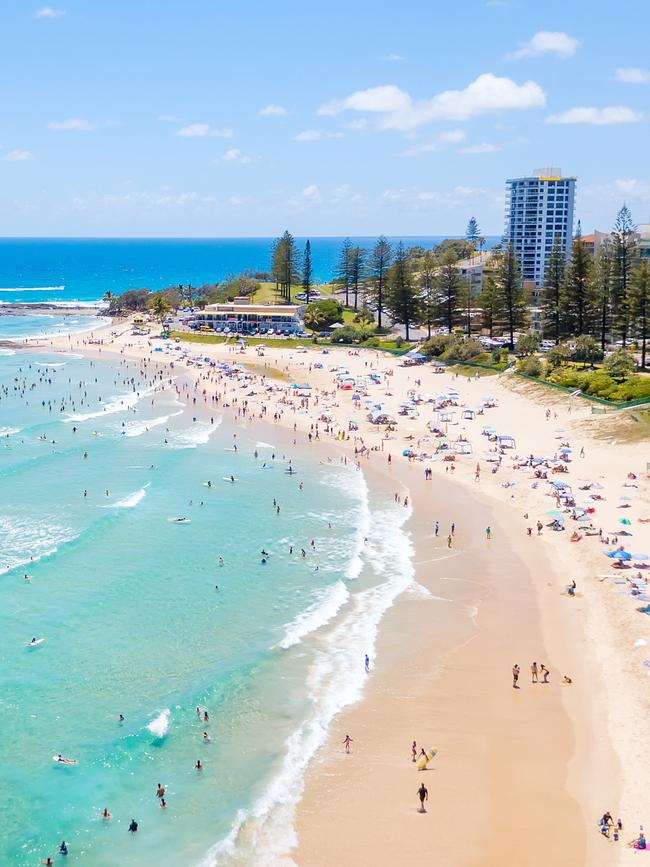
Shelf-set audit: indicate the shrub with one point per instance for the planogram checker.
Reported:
(527, 344)
(531, 366)
(620, 364)
(347, 334)
(321, 314)
(436, 345)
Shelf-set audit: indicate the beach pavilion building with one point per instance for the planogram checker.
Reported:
(241, 317)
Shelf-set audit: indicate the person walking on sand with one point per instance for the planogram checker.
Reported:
(488, 533)
(423, 795)
(544, 671)
(367, 664)
(533, 672)
(347, 740)
(449, 541)
(437, 529)
(515, 676)
(414, 751)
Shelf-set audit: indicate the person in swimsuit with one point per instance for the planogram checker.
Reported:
(160, 791)
(515, 676)
(198, 765)
(347, 740)
(133, 827)
(423, 795)
(414, 751)
(533, 671)
(105, 814)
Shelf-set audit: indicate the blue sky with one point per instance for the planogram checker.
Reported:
(242, 118)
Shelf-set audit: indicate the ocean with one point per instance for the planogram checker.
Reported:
(78, 269)
(98, 462)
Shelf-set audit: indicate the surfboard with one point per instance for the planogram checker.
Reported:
(35, 643)
(63, 760)
(424, 761)
(228, 479)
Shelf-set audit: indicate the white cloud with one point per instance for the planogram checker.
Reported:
(483, 148)
(17, 155)
(409, 199)
(234, 155)
(547, 42)
(632, 75)
(398, 110)
(311, 194)
(316, 135)
(393, 58)
(203, 130)
(598, 116)
(451, 136)
(273, 110)
(73, 124)
(49, 12)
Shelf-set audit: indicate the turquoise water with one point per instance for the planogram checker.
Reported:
(125, 598)
(45, 325)
(35, 269)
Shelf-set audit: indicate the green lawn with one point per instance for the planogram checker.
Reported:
(267, 294)
(202, 337)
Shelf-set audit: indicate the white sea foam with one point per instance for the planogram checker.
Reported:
(327, 605)
(131, 500)
(160, 725)
(8, 431)
(5, 351)
(34, 289)
(192, 437)
(262, 445)
(26, 540)
(117, 403)
(263, 835)
(352, 482)
(138, 428)
(50, 363)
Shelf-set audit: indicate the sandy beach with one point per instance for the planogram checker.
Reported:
(521, 775)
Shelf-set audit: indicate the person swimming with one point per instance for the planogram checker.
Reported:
(133, 827)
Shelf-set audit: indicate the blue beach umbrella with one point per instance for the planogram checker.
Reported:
(618, 555)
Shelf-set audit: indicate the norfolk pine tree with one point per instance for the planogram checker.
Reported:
(603, 287)
(307, 269)
(640, 304)
(553, 290)
(378, 265)
(402, 298)
(447, 285)
(579, 294)
(512, 295)
(624, 256)
(342, 274)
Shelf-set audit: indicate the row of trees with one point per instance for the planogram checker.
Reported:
(606, 296)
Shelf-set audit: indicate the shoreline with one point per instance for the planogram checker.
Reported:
(584, 760)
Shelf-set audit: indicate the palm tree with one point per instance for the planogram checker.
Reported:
(160, 307)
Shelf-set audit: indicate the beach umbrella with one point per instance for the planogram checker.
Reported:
(618, 555)
(554, 513)
(566, 451)
(625, 521)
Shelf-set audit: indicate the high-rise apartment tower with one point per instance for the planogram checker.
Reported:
(538, 210)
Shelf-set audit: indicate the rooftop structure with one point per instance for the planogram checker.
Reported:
(241, 317)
